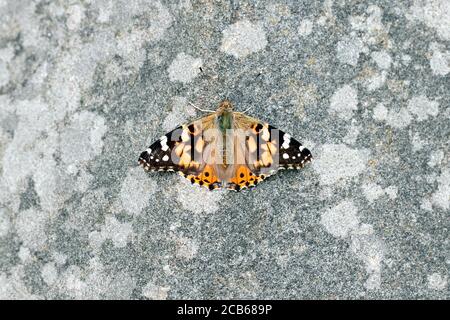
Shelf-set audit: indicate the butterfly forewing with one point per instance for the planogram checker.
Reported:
(292, 154)
(158, 156)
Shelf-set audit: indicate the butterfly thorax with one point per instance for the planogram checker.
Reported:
(224, 121)
(225, 106)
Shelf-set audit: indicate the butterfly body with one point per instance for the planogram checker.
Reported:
(225, 149)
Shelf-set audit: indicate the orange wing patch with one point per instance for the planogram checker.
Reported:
(206, 178)
(243, 178)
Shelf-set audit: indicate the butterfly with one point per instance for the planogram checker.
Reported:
(225, 149)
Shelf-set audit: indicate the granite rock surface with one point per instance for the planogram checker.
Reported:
(86, 85)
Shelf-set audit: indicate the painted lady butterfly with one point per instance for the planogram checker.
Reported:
(225, 149)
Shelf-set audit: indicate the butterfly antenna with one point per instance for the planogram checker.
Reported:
(245, 111)
(202, 110)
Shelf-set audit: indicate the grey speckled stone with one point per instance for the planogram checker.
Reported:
(85, 86)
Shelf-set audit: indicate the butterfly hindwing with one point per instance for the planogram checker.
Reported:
(207, 178)
(243, 178)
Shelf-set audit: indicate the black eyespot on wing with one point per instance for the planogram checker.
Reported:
(258, 127)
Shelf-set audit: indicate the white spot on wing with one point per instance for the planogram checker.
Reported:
(164, 145)
(286, 141)
(265, 134)
(185, 135)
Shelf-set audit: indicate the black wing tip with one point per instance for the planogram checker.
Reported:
(144, 155)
